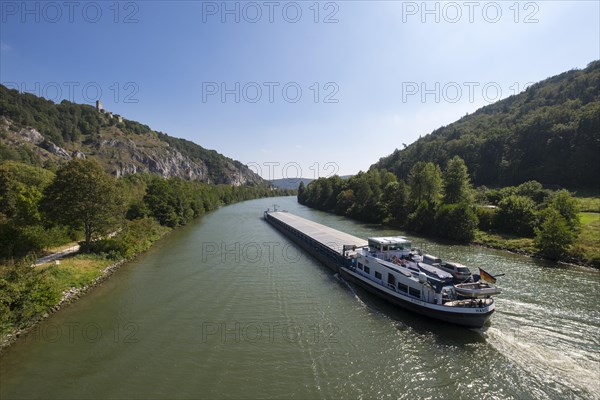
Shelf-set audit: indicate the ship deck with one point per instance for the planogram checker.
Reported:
(332, 238)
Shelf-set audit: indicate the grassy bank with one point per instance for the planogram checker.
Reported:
(587, 245)
(30, 293)
(585, 250)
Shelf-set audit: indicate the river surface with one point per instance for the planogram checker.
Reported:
(229, 308)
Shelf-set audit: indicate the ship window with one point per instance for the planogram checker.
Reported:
(414, 292)
(367, 270)
(402, 287)
(360, 266)
(377, 275)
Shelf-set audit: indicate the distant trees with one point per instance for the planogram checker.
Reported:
(40, 209)
(378, 196)
(548, 133)
(445, 204)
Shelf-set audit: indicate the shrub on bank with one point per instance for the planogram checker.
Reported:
(24, 295)
(136, 237)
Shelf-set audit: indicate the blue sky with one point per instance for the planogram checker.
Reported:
(293, 88)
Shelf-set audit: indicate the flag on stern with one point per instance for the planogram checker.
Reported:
(486, 276)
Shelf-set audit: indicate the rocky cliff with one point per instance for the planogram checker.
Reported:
(39, 132)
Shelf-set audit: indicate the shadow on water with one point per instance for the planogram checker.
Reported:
(442, 332)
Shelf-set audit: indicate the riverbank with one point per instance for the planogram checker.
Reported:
(524, 247)
(56, 284)
(68, 296)
(584, 252)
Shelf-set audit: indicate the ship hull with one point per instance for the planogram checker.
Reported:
(470, 318)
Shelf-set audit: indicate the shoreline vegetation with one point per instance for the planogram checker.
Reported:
(114, 220)
(528, 219)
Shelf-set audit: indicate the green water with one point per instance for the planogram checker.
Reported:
(229, 308)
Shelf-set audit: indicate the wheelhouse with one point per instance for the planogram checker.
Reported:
(389, 247)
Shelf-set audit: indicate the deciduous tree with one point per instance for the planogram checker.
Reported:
(84, 196)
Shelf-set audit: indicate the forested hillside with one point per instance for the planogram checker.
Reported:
(39, 132)
(549, 133)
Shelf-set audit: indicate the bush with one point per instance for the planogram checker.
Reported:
(24, 295)
(554, 237)
(486, 217)
(516, 214)
(422, 219)
(456, 222)
(136, 237)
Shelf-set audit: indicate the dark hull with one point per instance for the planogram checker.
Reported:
(463, 319)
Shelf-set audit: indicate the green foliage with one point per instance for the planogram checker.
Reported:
(486, 217)
(359, 197)
(59, 123)
(220, 168)
(22, 229)
(549, 133)
(589, 204)
(516, 214)
(174, 202)
(344, 201)
(82, 127)
(425, 180)
(18, 241)
(21, 188)
(83, 196)
(534, 190)
(24, 295)
(456, 221)
(568, 208)
(457, 186)
(301, 193)
(395, 202)
(377, 196)
(422, 219)
(554, 236)
(169, 202)
(136, 237)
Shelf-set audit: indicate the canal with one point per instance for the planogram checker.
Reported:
(229, 308)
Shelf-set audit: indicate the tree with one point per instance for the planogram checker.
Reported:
(21, 188)
(84, 196)
(457, 186)
(344, 201)
(456, 222)
(425, 182)
(532, 189)
(516, 215)
(422, 219)
(554, 237)
(301, 193)
(395, 199)
(162, 202)
(568, 207)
